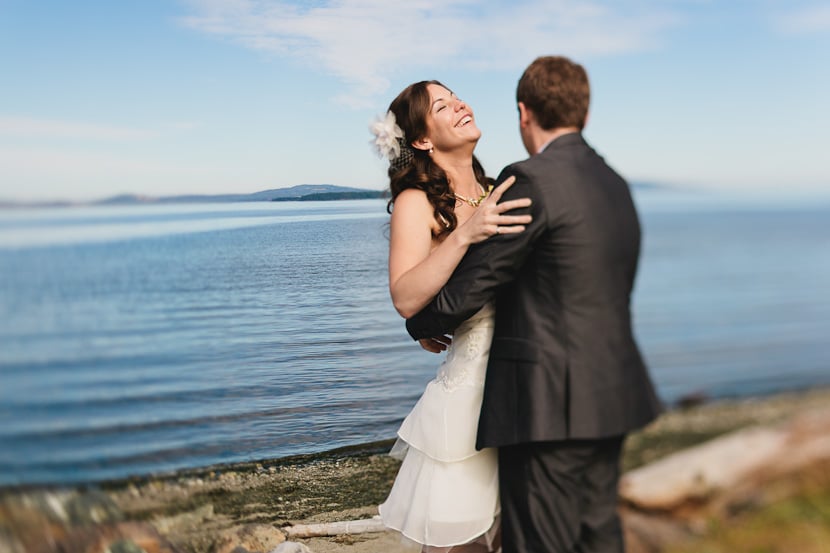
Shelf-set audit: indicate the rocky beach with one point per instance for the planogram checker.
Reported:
(695, 480)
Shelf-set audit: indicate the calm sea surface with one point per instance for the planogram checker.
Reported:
(144, 339)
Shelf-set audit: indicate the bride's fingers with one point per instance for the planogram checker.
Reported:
(496, 194)
(513, 219)
(515, 229)
(512, 204)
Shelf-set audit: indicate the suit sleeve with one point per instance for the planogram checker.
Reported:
(486, 266)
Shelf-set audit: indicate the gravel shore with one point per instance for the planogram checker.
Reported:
(193, 508)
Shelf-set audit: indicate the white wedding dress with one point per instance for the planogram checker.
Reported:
(446, 492)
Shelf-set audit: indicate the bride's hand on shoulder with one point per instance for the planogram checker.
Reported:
(489, 218)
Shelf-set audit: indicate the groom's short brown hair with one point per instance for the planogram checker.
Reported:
(556, 90)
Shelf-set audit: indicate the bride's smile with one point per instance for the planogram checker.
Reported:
(450, 122)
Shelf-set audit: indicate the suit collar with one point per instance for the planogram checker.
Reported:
(563, 140)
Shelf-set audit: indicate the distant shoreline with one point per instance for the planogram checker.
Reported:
(330, 196)
(297, 193)
(300, 192)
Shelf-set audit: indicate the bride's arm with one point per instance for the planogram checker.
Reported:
(416, 274)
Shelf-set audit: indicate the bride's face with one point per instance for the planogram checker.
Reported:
(450, 121)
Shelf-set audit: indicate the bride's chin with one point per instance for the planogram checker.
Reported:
(470, 145)
(463, 148)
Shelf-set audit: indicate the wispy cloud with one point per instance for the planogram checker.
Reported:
(363, 42)
(806, 20)
(57, 129)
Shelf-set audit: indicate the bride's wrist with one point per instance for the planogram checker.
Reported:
(461, 237)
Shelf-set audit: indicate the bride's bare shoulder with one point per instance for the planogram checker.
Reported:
(412, 197)
(412, 202)
(412, 207)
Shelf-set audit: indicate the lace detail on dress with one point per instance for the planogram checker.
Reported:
(460, 367)
(466, 361)
(452, 382)
(477, 344)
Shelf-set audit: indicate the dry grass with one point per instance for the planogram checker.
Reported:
(799, 524)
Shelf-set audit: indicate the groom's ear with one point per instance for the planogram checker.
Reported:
(524, 116)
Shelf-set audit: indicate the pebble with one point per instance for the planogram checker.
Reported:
(291, 547)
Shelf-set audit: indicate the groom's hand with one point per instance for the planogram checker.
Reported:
(437, 344)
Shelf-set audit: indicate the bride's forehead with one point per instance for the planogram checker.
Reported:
(437, 91)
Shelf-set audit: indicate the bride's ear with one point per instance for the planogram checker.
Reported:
(422, 144)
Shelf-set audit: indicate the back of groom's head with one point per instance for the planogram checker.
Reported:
(557, 91)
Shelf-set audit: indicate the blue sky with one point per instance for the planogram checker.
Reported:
(216, 96)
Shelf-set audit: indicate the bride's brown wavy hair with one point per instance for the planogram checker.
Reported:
(411, 108)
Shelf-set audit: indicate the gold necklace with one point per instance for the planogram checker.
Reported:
(474, 202)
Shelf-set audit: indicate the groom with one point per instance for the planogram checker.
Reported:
(565, 380)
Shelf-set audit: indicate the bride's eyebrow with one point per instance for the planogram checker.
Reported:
(441, 99)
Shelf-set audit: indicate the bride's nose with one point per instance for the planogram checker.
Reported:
(460, 104)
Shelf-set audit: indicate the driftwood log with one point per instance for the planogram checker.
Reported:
(364, 526)
(667, 502)
(731, 470)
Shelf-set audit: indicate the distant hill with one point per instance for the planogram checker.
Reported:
(327, 196)
(302, 192)
(643, 185)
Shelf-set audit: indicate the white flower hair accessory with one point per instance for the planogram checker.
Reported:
(390, 143)
(388, 136)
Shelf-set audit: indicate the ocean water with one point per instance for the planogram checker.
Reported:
(145, 339)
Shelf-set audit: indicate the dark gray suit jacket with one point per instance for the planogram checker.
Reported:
(563, 363)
